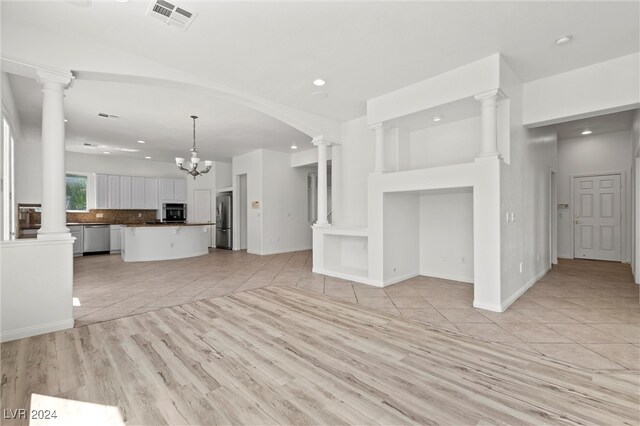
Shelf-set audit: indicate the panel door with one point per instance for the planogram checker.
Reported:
(113, 201)
(598, 219)
(138, 192)
(180, 190)
(125, 192)
(166, 190)
(102, 191)
(151, 193)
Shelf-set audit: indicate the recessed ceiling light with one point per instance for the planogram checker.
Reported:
(106, 152)
(129, 150)
(148, 158)
(565, 39)
(123, 1)
(586, 132)
(294, 146)
(436, 118)
(319, 82)
(142, 142)
(65, 120)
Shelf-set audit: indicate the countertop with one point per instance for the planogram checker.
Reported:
(151, 225)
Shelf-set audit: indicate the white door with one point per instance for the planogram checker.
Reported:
(202, 209)
(597, 221)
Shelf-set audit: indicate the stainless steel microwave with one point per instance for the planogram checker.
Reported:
(176, 213)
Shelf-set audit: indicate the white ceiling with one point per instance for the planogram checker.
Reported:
(598, 125)
(275, 50)
(160, 117)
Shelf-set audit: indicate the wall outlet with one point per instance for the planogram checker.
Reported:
(507, 217)
(99, 215)
(139, 214)
(520, 267)
(444, 259)
(513, 217)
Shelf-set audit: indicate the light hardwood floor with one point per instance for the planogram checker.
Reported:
(584, 313)
(288, 356)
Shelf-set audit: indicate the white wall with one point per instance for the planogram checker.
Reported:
(357, 160)
(285, 220)
(123, 166)
(251, 165)
(593, 154)
(525, 188)
(401, 236)
(635, 197)
(28, 174)
(608, 86)
(35, 300)
(446, 235)
(443, 145)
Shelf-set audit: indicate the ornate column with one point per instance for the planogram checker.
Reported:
(54, 213)
(322, 145)
(379, 130)
(489, 104)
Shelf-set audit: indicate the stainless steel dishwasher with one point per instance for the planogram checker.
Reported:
(97, 239)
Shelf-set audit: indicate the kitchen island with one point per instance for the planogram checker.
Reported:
(164, 241)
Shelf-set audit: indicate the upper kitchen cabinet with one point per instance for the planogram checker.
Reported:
(151, 193)
(126, 201)
(138, 189)
(173, 190)
(102, 191)
(113, 201)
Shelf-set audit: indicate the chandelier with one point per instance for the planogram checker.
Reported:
(193, 168)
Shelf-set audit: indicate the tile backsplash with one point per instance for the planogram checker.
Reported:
(112, 216)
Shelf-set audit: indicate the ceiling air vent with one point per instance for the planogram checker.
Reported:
(105, 115)
(171, 14)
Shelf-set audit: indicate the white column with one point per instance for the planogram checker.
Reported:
(54, 215)
(489, 104)
(322, 145)
(379, 158)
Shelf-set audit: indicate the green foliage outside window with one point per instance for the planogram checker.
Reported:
(76, 192)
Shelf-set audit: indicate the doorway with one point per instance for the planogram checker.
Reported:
(242, 211)
(597, 217)
(553, 219)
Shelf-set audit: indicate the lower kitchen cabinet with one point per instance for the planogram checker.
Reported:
(116, 238)
(78, 244)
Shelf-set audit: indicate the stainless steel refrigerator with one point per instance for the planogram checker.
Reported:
(224, 216)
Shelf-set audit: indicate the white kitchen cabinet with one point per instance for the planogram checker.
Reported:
(167, 189)
(151, 193)
(77, 232)
(173, 190)
(113, 201)
(116, 238)
(180, 190)
(138, 193)
(102, 191)
(125, 192)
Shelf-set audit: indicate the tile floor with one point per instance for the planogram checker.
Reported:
(583, 312)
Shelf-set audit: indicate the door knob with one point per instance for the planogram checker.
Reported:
(577, 221)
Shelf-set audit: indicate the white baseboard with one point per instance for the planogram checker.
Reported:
(287, 250)
(487, 306)
(35, 330)
(448, 277)
(524, 288)
(400, 278)
(345, 276)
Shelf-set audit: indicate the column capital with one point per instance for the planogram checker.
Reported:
(48, 77)
(320, 141)
(490, 94)
(378, 127)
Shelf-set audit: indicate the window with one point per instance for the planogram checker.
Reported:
(76, 192)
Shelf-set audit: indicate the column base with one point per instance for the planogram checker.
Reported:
(55, 235)
(491, 156)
